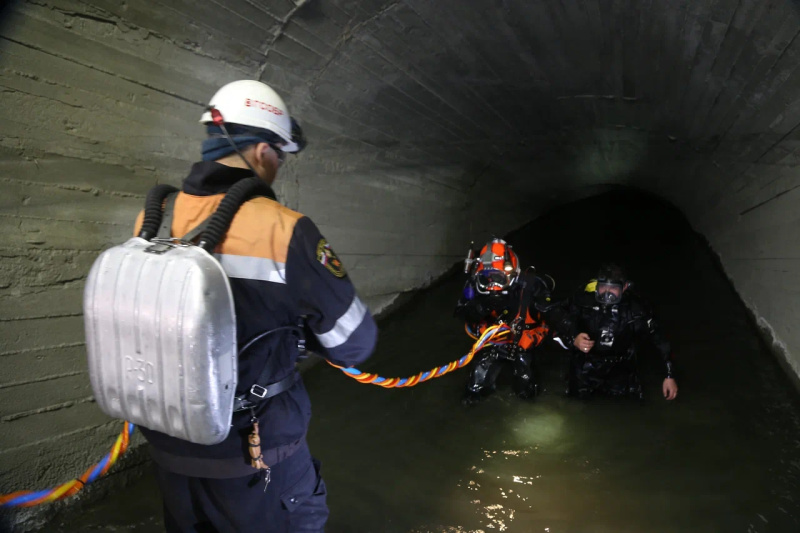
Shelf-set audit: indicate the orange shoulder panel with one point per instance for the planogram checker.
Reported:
(261, 228)
(138, 225)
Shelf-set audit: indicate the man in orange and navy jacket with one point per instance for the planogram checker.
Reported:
(282, 273)
(497, 290)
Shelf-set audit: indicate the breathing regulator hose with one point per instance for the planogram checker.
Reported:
(153, 211)
(238, 194)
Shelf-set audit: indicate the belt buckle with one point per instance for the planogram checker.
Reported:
(240, 403)
(258, 391)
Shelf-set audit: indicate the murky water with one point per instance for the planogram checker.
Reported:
(725, 456)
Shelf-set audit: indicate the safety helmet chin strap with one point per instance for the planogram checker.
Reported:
(219, 121)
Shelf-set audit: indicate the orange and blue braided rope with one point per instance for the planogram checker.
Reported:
(26, 498)
(492, 335)
(502, 337)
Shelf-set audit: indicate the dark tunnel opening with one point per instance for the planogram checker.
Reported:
(723, 457)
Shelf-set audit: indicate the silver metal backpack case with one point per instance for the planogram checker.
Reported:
(161, 338)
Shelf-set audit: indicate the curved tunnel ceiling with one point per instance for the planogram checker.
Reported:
(430, 124)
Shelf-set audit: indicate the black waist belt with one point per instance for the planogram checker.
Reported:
(259, 393)
(226, 468)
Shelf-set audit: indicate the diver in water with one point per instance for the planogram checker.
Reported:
(603, 326)
(498, 291)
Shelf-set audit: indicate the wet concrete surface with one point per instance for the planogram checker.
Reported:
(725, 456)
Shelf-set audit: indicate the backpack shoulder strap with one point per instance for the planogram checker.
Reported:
(197, 230)
(212, 229)
(165, 229)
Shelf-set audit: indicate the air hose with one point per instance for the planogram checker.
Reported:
(238, 194)
(219, 222)
(153, 210)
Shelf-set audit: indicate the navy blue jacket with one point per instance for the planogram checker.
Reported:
(282, 272)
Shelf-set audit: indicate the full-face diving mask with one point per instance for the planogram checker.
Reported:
(491, 280)
(609, 292)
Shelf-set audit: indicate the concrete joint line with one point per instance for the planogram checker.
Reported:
(36, 317)
(51, 219)
(90, 190)
(113, 423)
(126, 78)
(749, 209)
(347, 34)
(23, 252)
(278, 33)
(42, 379)
(28, 93)
(49, 408)
(39, 348)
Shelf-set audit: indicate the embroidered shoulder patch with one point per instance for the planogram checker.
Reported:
(327, 258)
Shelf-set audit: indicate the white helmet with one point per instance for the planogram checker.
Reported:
(256, 104)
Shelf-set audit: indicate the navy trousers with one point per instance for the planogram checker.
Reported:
(294, 500)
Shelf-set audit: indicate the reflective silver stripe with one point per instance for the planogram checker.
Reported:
(559, 341)
(241, 266)
(345, 326)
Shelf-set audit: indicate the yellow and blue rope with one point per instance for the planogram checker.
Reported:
(26, 498)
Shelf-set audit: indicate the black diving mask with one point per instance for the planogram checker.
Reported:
(609, 292)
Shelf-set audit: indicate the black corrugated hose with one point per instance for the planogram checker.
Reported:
(153, 210)
(241, 191)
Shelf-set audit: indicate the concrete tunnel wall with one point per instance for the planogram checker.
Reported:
(420, 114)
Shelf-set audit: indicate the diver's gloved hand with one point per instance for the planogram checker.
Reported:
(670, 388)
